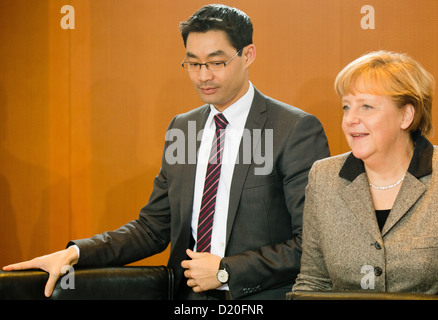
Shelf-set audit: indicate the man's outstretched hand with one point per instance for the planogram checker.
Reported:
(54, 264)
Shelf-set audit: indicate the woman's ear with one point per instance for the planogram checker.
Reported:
(408, 116)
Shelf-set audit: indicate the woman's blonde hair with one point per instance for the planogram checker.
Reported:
(395, 75)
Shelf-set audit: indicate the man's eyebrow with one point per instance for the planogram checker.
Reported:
(211, 55)
(190, 55)
(217, 53)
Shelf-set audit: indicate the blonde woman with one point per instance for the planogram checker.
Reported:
(371, 215)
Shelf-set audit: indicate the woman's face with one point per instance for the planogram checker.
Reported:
(374, 126)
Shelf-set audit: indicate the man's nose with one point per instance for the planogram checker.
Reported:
(204, 74)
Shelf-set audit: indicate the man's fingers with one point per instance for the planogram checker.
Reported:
(55, 264)
(50, 285)
(31, 264)
(194, 254)
(193, 284)
(189, 253)
(185, 264)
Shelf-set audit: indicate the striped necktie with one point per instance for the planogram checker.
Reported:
(208, 204)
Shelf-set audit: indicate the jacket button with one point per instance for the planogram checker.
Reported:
(378, 271)
(377, 245)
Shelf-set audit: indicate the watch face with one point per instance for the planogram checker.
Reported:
(222, 276)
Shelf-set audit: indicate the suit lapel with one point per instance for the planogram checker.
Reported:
(256, 120)
(189, 170)
(412, 189)
(358, 197)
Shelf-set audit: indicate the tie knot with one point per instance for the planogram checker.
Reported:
(221, 121)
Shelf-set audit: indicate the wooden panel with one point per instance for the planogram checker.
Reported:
(25, 129)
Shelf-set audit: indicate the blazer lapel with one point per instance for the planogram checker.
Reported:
(412, 189)
(256, 120)
(358, 197)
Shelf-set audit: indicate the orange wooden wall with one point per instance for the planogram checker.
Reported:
(83, 112)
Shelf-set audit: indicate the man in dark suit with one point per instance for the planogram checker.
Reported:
(266, 150)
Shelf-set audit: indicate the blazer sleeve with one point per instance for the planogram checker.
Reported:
(138, 239)
(278, 264)
(313, 275)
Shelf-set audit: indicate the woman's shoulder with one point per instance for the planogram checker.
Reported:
(326, 172)
(333, 162)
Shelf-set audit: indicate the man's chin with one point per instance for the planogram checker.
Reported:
(209, 98)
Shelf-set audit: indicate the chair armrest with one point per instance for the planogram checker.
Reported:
(109, 283)
(330, 295)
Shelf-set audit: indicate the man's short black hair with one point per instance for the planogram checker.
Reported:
(236, 24)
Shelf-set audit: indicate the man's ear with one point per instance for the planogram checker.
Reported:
(249, 54)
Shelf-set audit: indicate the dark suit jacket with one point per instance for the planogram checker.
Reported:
(263, 240)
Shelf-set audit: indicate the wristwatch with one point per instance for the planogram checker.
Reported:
(222, 274)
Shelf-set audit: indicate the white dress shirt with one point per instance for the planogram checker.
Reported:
(236, 115)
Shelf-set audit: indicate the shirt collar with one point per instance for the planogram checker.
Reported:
(420, 166)
(237, 113)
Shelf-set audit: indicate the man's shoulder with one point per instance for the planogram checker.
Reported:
(197, 115)
(194, 113)
(282, 108)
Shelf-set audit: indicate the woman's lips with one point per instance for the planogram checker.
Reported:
(358, 135)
